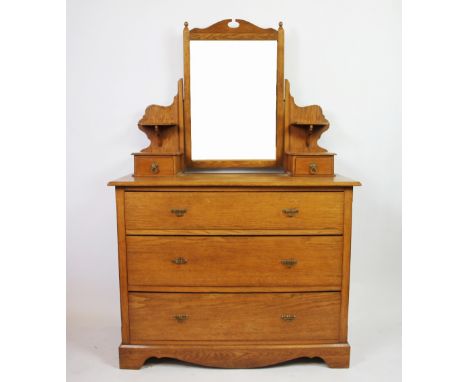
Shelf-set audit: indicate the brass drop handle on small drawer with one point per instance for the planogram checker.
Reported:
(288, 317)
(289, 263)
(154, 167)
(181, 317)
(290, 212)
(313, 168)
(179, 211)
(179, 261)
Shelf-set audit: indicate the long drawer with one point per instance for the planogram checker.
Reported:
(234, 210)
(235, 261)
(234, 316)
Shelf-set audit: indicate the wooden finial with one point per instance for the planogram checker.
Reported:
(281, 24)
(186, 24)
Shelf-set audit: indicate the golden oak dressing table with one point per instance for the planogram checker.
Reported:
(233, 262)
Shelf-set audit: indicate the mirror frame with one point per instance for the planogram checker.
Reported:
(244, 31)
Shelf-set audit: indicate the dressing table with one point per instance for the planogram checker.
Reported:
(234, 233)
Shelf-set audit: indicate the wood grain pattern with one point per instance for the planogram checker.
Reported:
(160, 115)
(233, 163)
(234, 270)
(243, 181)
(225, 355)
(235, 261)
(245, 31)
(234, 316)
(221, 30)
(321, 165)
(304, 125)
(347, 215)
(190, 347)
(280, 122)
(120, 205)
(234, 210)
(231, 289)
(181, 126)
(157, 165)
(163, 126)
(186, 100)
(232, 232)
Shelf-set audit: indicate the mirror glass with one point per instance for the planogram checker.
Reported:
(233, 100)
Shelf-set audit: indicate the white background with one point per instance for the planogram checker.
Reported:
(233, 99)
(124, 55)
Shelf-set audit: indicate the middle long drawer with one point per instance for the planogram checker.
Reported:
(235, 261)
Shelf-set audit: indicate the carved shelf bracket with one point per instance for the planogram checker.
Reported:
(306, 124)
(314, 132)
(161, 125)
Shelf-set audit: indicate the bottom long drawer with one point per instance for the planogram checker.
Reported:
(234, 316)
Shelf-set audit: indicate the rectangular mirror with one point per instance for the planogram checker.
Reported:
(233, 96)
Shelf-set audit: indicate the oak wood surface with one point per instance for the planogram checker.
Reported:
(234, 316)
(233, 355)
(181, 124)
(233, 163)
(122, 248)
(133, 356)
(235, 261)
(156, 165)
(324, 165)
(234, 210)
(232, 289)
(232, 180)
(245, 31)
(347, 216)
(232, 232)
(280, 97)
(221, 30)
(163, 125)
(240, 269)
(186, 97)
(304, 125)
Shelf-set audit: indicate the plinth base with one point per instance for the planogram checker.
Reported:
(233, 355)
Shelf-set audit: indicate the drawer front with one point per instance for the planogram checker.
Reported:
(155, 165)
(234, 210)
(314, 165)
(234, 316)
(235, 261)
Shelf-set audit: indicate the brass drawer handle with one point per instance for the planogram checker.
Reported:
(289, 263)
(288, 317)
(179, 212)
(179, 260)
(181, 317)
(313, 168)
(290, 212)
(154, 167)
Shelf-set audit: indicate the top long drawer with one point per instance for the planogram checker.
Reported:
(260, 210)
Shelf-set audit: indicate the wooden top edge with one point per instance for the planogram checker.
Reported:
(222, 31)
(231, 180)
(242, 343)
(149, 154)
(326, 153)
(162, 124)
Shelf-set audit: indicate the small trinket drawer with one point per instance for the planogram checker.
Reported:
(234, 274)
